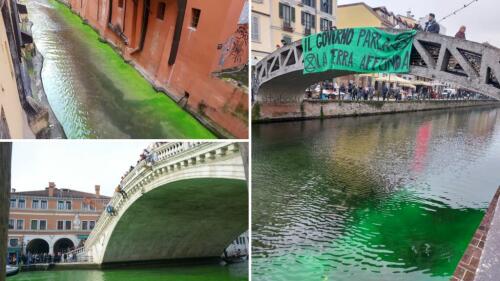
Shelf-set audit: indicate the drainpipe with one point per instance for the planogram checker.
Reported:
(178, 30)
(144, 26)
(110, 11)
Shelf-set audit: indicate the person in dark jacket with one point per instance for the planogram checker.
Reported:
(432, 26)
(461, 33)
(385, 91)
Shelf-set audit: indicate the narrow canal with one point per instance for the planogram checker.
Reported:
(235, 272)
(394, 197)
(92, 91)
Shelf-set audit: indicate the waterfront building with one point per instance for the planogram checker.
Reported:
(196, 51)
(239, 247)
(52, 220)
(278, 21)
(362, 15)
(20, 115)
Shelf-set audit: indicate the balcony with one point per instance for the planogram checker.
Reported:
(309, 31)
(287, 26)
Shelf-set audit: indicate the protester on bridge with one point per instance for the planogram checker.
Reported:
(120, 190)
(110, 210)
(461, 33)
(432, 26)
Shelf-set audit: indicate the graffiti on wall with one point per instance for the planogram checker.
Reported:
(234, 52)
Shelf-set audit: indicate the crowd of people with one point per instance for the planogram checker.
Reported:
(43, 258)
(327, 90)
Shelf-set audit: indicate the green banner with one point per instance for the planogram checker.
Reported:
(363, 50)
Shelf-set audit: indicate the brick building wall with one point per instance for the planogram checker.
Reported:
(212, 36)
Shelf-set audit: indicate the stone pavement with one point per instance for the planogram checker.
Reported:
(481, 260)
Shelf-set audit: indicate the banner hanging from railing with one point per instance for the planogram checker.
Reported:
(362, 50)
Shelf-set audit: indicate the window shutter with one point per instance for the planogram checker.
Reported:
(302, 18)
(313, 21)
(281, 10)
(293, 14)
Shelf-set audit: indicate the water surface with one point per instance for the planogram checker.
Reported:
(234, 272)
(393, 197)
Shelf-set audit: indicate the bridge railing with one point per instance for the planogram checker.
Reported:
(470, 65)
(78, 255)
(167, 154)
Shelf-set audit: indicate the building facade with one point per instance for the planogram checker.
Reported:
(362, 15)
(278, 21)
(185, 48)
(52, 220)
(13, 101)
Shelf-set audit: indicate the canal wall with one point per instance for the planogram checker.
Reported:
(316, 109)
(476, 263)
(181, 58)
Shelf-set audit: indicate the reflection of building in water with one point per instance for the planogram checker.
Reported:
(52, 220)
(421, 146)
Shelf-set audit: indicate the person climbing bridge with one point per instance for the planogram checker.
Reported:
(119, 189)
(110, 210)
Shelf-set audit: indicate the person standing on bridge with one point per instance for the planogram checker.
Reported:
(432, 26)
(461, 33)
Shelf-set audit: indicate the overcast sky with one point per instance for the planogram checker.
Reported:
(78, 165)
(481, 18)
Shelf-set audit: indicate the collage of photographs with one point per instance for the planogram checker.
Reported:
(236, 140)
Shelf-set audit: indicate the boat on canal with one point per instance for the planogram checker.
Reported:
(12, 270)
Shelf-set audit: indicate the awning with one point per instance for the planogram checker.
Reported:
(421, 83)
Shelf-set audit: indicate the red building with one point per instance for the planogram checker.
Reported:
(52, 220)
(186, 48)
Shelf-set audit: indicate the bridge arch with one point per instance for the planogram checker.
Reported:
(191, 205)
(278, 77)
(180, 220)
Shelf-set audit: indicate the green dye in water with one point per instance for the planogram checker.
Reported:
(131, 103)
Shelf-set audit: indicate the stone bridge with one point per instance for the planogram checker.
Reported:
(278, 78)
(191, 204)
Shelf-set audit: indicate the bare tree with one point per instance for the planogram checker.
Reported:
(5, 158)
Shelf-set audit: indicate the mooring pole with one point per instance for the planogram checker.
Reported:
(5, 157)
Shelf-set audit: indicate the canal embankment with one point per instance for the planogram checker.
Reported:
(319, 109)
(34, 64)
(480, 260)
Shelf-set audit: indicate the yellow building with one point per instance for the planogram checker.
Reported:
(360, 15)
(278, 21)
(13, 120)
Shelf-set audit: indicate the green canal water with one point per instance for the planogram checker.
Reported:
(236, 272)
(92, 91)
(394, 197)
